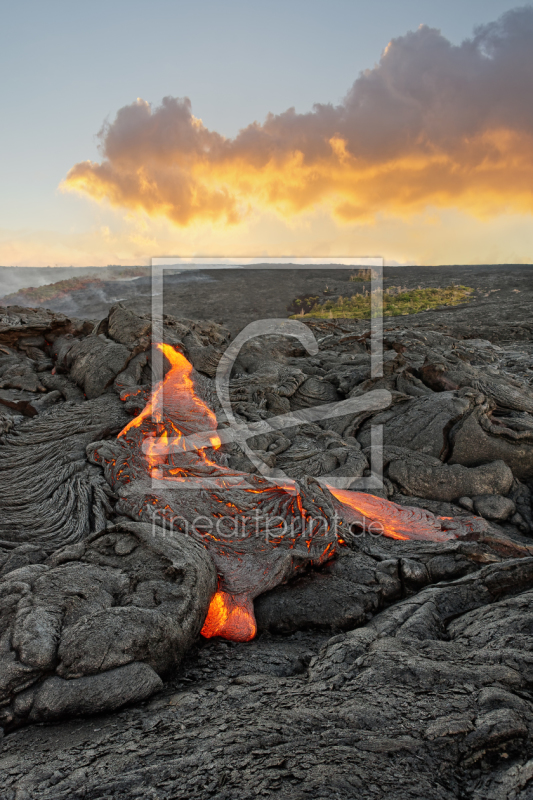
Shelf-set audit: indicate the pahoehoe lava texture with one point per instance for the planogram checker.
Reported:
(51, 496)
(396, 669)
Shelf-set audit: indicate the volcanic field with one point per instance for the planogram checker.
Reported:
(245, 591)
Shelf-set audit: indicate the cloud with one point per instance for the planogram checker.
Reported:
(432, 125)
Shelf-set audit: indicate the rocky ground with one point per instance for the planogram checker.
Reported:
(400, 669)
(236, 297)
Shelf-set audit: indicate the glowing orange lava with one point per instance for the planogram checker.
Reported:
(230, 616)
(175, 405)
(381, 517)
(366, 505)
(157, 438)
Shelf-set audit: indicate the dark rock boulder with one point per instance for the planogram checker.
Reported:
(17, 321)
(452, 372)
(18, 372)
(55, 698)
(348, 591)
(423, 476)
(341, 596)
(21, 556)
(126, 327)
(28, 404)
(313, 392)
(64, 385)
(472, 445)
(90, 629)
(94, 363)
(494, 506)
(421, 423)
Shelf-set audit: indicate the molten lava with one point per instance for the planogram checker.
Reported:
(231, 617)
(257, 532)
(380, 517)
(173, 410)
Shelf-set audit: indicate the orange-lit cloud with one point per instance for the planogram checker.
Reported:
(432, 125)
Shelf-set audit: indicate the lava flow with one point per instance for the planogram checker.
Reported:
(237, 510)
(380, 517)
(174, 409)
(230, 617)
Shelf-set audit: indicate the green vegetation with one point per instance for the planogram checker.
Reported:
(303, 304)
(395, 302)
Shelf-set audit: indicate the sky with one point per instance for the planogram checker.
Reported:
(332, 128)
